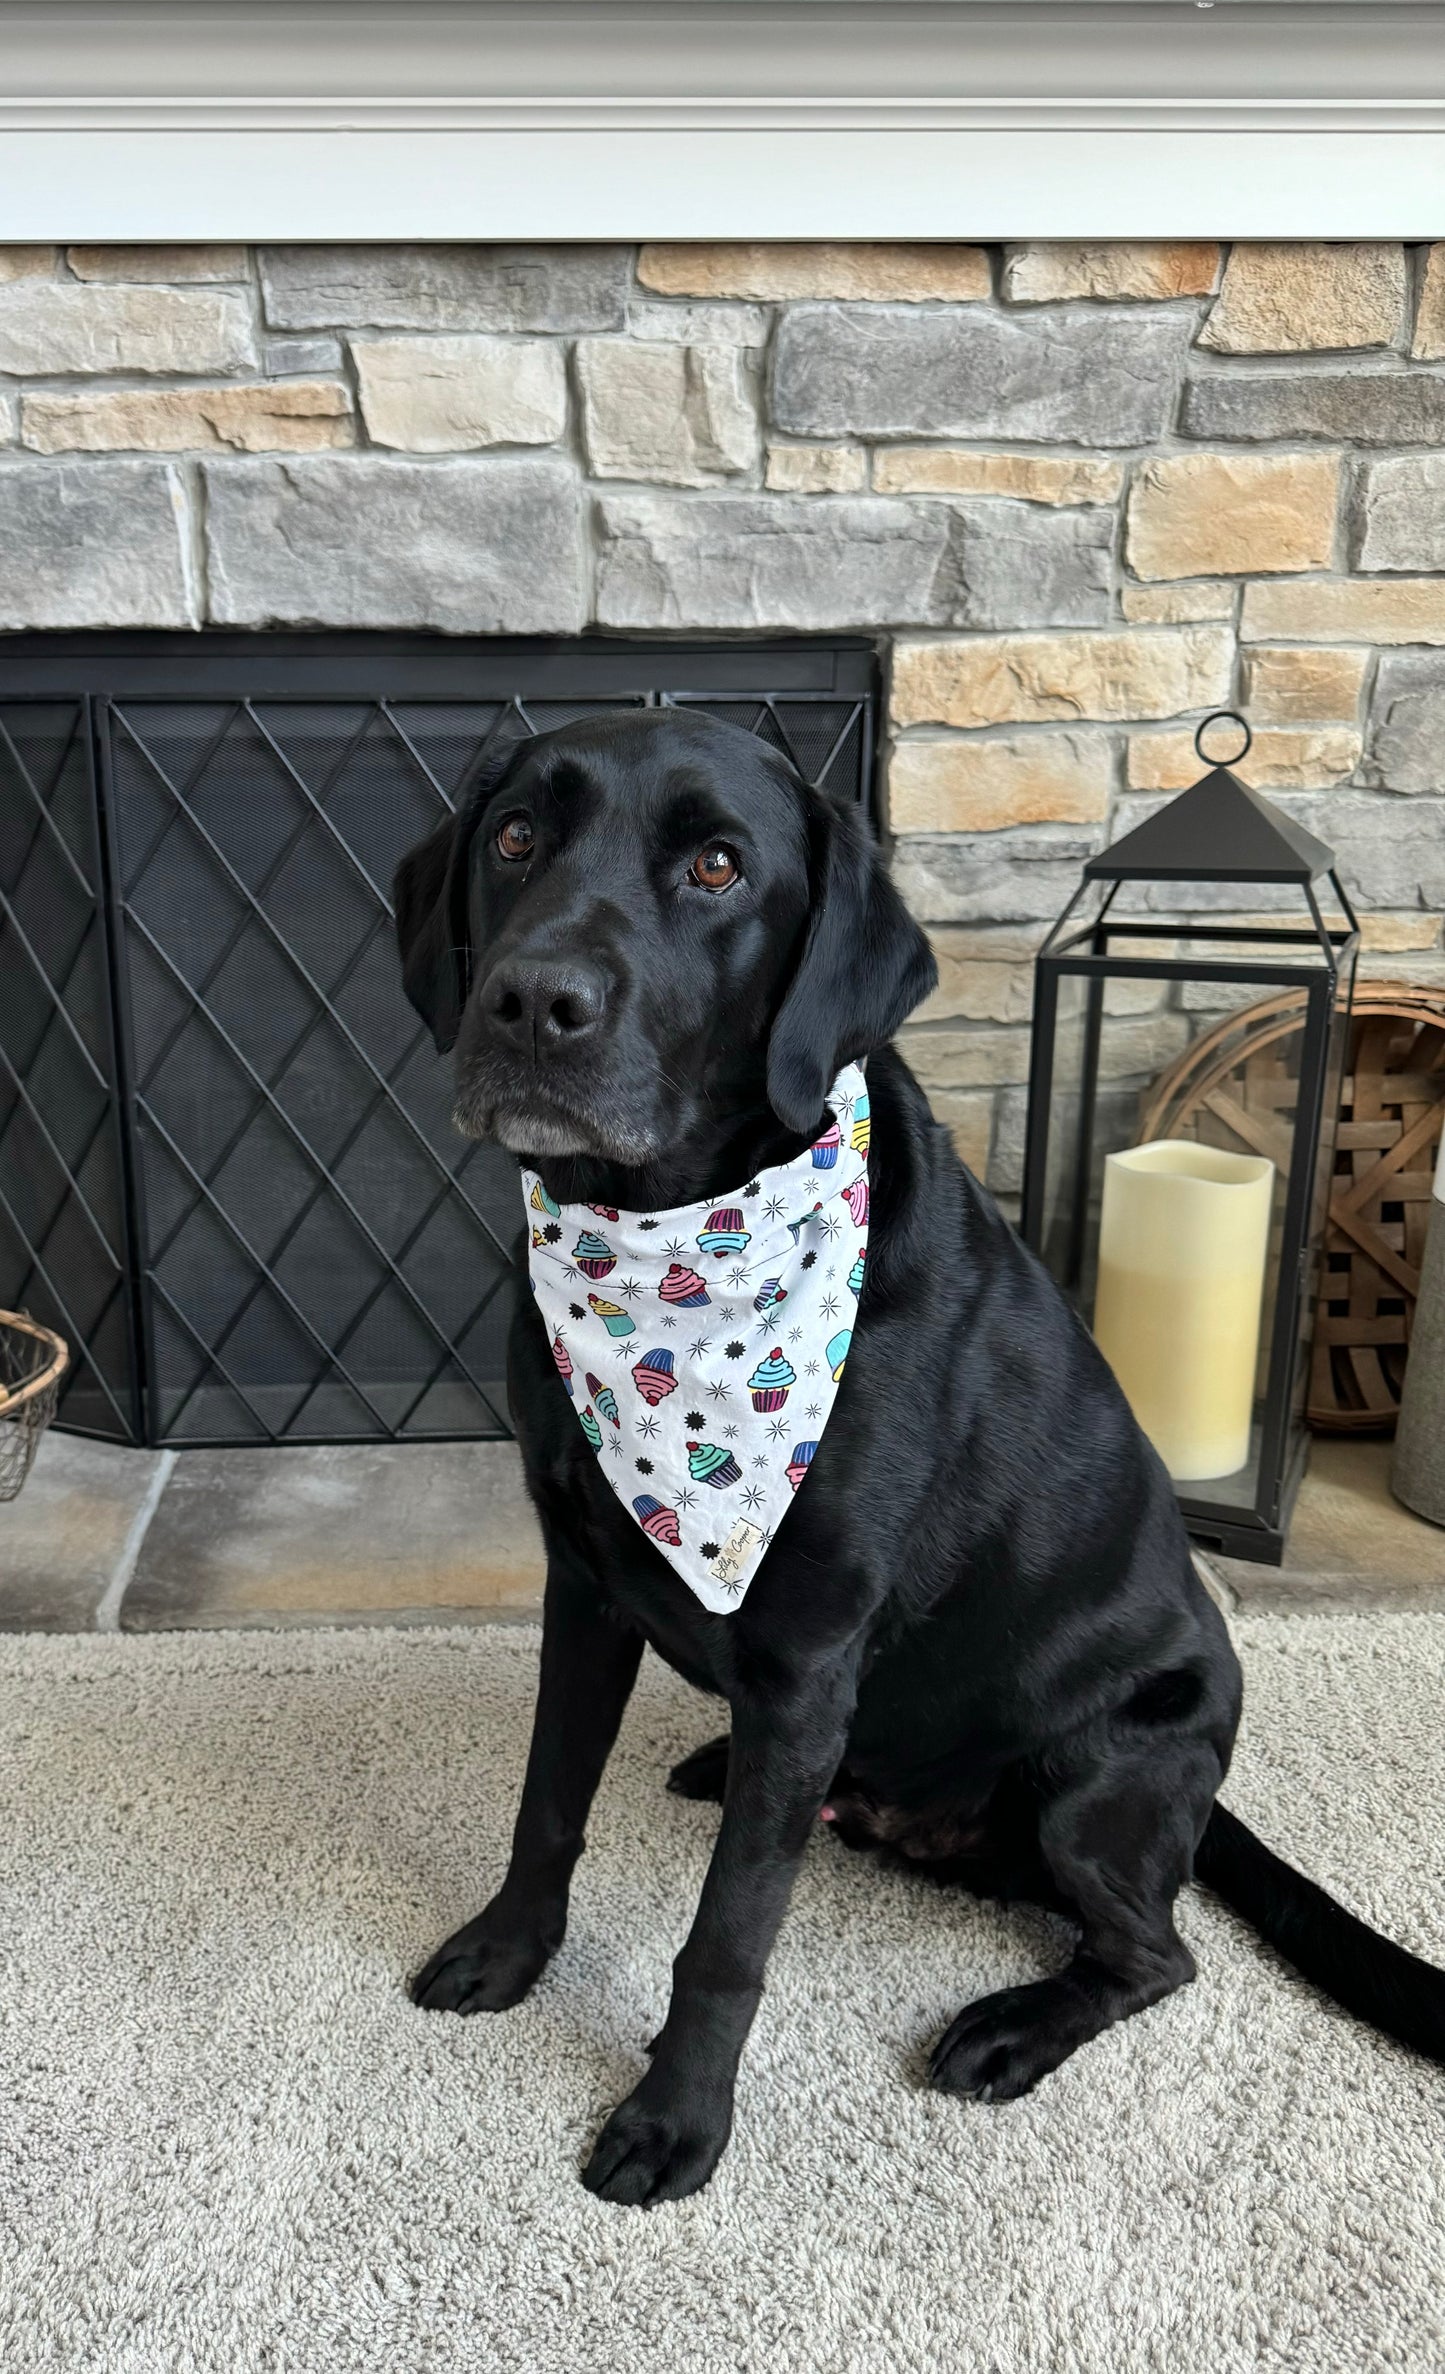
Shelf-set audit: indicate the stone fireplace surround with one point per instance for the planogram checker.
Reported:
(1080, 494)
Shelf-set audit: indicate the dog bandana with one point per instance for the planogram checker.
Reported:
(702, 1347)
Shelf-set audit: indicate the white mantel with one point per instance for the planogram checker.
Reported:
(888, 119)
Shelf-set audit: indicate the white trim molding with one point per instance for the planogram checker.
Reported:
(919, 119)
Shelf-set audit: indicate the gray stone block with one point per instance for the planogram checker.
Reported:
(933, 371)
(301, 358)
(1388, 853)
(855, 561)
(446, 288)
(1022, 876)
(1406, 749)
(92, 544)
(470, 547)
(1403, 513)
(1365, 407)
(1024, 566)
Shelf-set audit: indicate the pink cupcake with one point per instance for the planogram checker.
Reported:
(684, 1288)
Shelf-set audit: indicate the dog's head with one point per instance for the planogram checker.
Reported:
(644, 920)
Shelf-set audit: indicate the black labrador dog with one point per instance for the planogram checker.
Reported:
(978, 1637)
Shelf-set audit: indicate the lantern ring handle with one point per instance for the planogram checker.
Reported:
(1223, 717)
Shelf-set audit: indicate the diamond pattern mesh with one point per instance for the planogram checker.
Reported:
(321, 1257)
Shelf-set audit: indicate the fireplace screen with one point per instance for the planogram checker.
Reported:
(227, 1172)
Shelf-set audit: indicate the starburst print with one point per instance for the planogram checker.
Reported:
(753, 1187)
(647, 1428)
(774, 1208)
(629, 1289)
(830, 1224)
(811, 1368)
(687, 1498)
(795, 1335)
(737, 1279)
(694, 1418)
(730, 1434)
(644, 1467)
(760, 1461)
(647, 1224)
(669, 1318)
(777, 1428)
(829, 1306)
(752, 1496)
(815, 1409)
(807, 1260)
(576, 1309)
(710, 1549)
(720, 1390)
(674, 1248)
(735, 1350)
(700, 1349)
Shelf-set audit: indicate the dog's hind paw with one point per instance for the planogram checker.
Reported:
(1002, 2045)
(703, 1775)
(481, 1968)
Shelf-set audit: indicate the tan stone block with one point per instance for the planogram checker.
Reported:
(1177, 605)
(26, 263)
(1045, 270)
(683, 415)
(1233, 514)
(1278, 760)
(982, 787)
(9, 420)
(1425, 970)
(1292, 296)
(1349, 610)
(1135, 1046)
(1008, 679)
(951, 1059)
(967, 1115)
(53, 326)
(985, 972)
(815, 469)
(291, 416)
(859, 270)
(452, 395)
(1393, 934)
(1285, 686)
(1428, 343)
(945, 470)
(158, 263)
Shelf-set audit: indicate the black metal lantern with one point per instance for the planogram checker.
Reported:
(1183, 1214)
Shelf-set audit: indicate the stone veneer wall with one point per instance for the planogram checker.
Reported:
(1084, 494)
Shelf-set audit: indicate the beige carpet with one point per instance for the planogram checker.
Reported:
(227, 2142)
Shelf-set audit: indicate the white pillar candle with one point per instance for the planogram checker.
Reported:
(1183, 1238)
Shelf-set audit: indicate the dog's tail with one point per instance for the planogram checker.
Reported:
(1377, 1981)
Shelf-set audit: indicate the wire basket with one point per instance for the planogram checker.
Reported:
(32, 1363)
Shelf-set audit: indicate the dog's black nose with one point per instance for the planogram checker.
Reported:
(544, 1005)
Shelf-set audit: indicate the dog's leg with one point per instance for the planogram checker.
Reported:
(668, 2136)
(1119, 1840)
(589, 1664)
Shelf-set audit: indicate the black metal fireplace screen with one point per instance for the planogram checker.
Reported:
(227, 1172)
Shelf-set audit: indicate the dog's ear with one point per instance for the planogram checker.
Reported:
(429, 898)
(864, 966)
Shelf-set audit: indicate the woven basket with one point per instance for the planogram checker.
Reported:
(32, 1363)
(1233, 1087)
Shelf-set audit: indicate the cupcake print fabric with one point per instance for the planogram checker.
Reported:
(702, 1348)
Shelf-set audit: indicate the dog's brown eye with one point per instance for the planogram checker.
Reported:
(516, 837)
(714, 868)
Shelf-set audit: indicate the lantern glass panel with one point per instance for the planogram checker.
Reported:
(1227, 1034)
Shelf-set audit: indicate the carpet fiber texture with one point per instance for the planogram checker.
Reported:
(227, 2142)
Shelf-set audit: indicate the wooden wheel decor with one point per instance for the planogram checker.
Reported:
(1233, 1087)
(32, 1363)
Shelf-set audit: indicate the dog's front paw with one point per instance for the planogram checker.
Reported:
(658, 2147)
(486, 1966)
